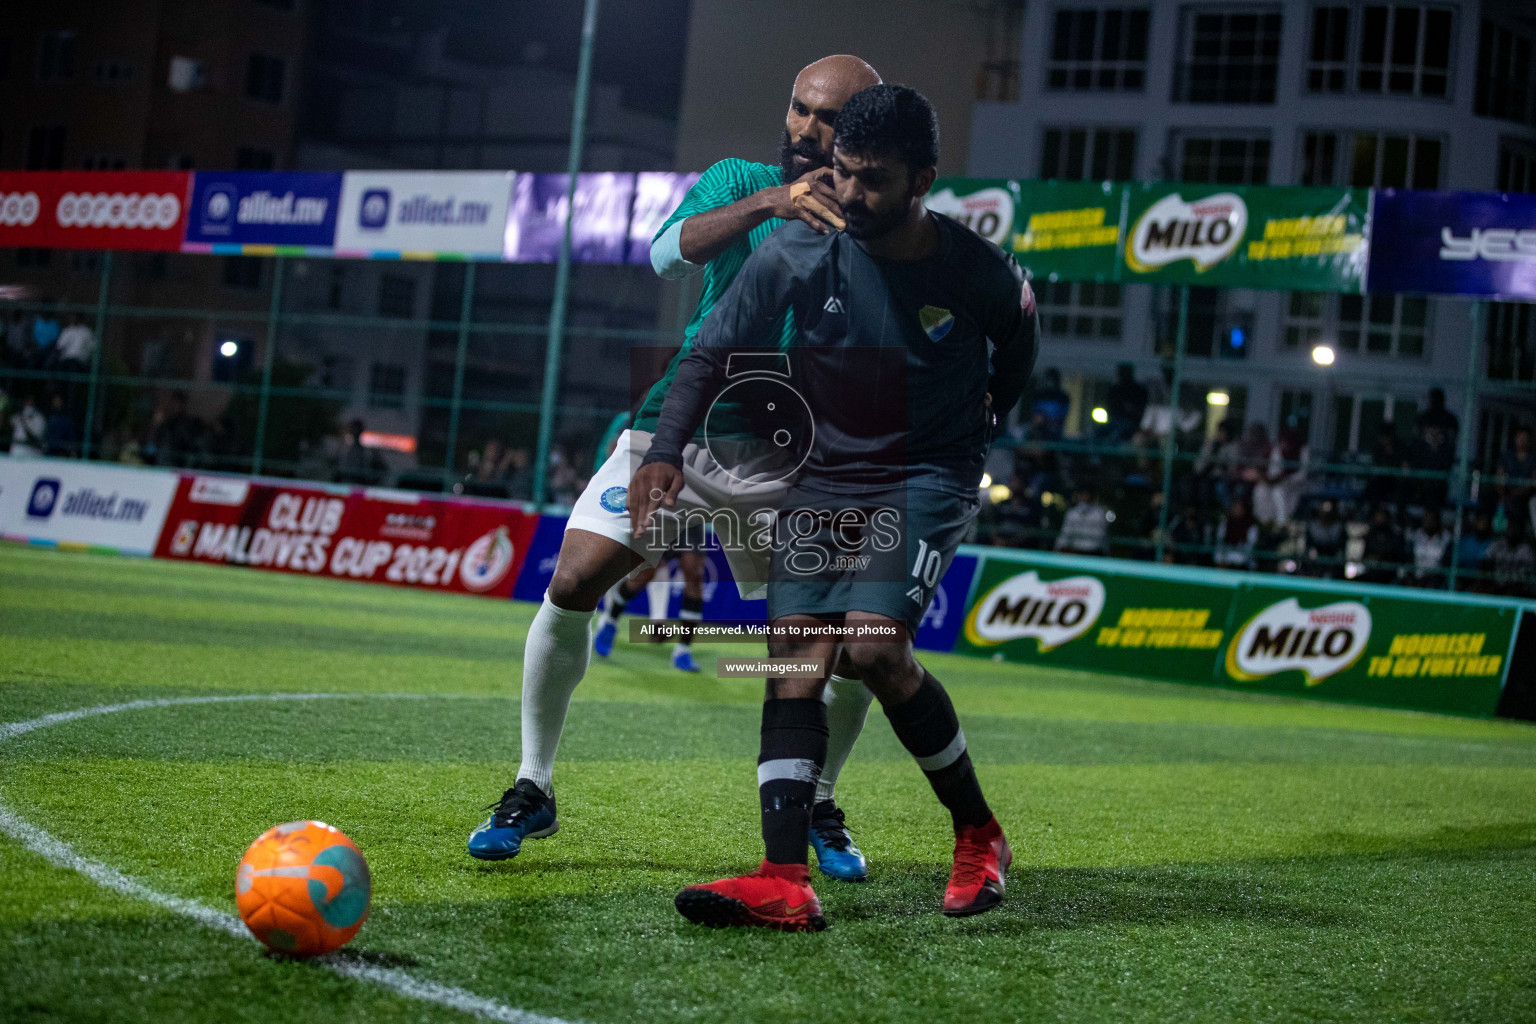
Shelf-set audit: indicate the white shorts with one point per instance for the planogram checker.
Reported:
(737, 503)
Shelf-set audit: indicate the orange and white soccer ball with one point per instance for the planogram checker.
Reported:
(303, 888)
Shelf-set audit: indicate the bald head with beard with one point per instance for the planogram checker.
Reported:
(820, 90)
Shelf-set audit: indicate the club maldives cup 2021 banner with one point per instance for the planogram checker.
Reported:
(133, 210)
(372, 536)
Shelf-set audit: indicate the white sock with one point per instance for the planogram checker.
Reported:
(679, 649)
(554, 660)
(847, 703)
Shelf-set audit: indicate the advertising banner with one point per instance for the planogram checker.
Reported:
(144, 210)
(426, 213)
(985, 205)
(65, 501)
(375, 536)
(1094, 619)
(240, 208)
(1068, 230)
(1429, 655)
(1302, 239)
(1458, 243)
(600, 227)
(657, 194)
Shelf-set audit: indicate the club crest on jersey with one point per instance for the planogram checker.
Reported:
(613, 499)
(936, 322)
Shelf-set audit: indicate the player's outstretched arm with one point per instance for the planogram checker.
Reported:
(708, 233)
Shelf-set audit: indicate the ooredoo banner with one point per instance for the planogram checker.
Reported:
(370, 535)
(66, 501)
(1462, 243)
(263, 208)
(443, 213)
(144, 210)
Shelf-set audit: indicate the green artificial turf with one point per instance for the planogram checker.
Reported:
(1182, 854)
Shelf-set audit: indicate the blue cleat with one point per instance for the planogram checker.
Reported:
(602, 644)
(682, 660)
(523, 812)
(836, 853)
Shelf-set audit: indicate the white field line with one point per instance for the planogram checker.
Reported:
(61, 854)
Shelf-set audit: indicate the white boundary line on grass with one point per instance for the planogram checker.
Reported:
(61, 854)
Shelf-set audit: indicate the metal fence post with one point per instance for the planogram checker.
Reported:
(1170, 442)
(461, 356)
(102, 294)
(268, 355)
(1464, 435)
(563, 267)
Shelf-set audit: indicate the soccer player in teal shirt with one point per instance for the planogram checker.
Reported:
(732, 208)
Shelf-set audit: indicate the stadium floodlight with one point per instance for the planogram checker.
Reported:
(1322, 355)
(229, 349)
(1218, 398)
(1100, 414)
(999, 493)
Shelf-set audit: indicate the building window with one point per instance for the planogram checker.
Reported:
(1517, 167)
(185, 74)
(243, 271)
(112, 72)
(397, 295)
(264, 78)
(103, 163)
(1098, 50)
(1328, 59)
(1228, 57)
(1511, 341)
(1506, 84)
(386, 386)
(1240, 160)
(1366, 159)
(56, 56)
(45, 148)
(1084, 311)
(1217, 327)
(1390, 325)
(248, 158)
(1404, 49)
(1088, 154)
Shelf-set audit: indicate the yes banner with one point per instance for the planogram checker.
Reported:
(139, 210)
(374, 536)
(1303, 239)
(1465, 243)
(1356, 643)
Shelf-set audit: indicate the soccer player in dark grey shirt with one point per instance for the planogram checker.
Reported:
(914, 337)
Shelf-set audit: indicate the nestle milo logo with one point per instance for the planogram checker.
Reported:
(1318, 642)
(1206, 231)
(1053, 612)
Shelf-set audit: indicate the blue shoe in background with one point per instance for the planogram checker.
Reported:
(523, 812)
(836, 853)
(682, 660)
(602, 644)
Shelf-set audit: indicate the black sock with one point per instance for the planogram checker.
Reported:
(691, 612)
(794, 749)
(927, 727)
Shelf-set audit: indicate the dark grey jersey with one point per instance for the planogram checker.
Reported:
(894, 360)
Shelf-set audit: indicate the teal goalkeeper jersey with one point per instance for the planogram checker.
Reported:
(726, 182)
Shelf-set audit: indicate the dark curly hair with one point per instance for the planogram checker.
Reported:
(890, 119)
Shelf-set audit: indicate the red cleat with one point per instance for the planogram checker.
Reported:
(774, 896)
(982, 857)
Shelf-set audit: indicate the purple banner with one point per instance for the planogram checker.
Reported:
(657, 194)
(1453, 243)
(599, 229)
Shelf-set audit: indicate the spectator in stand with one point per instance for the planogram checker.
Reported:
(171, 439)
(60, 436)
(1384, 550)
(1438, 417)
(29, 429)
(1433, 451)
(1517, 473)
(1325, 538)
(45, 335)
(1015, 521)
(1126, 405)
(17, 337)
(1188, 536)
(1237, 537)
(1085, 527)
(1474, 545)
(1252, 459)
(1386, 454)
(1510, 562)
(1215, 464)
(1048, 407)
(1276, 496)
(357, 463)
(75, 345)
(489, 471)
(1430, 546)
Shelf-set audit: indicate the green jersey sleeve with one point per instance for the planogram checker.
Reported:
(722, 184)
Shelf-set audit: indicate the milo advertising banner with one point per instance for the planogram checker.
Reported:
(1081, 617)
(985, 205)
(1069, 230)
(1303, 239)
(1369, 648)
(1308, 638)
